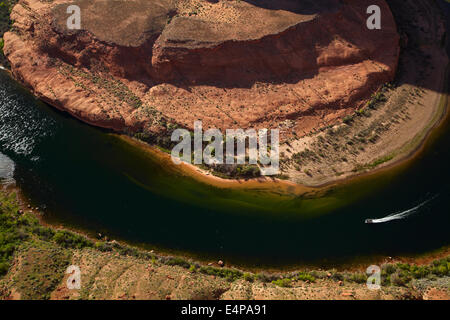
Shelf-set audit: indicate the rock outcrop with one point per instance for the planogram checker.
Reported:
(144, 66)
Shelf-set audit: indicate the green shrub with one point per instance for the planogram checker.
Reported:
(43, 233)
(5, 25)
(175, 261)
(403, 266)
(248, 171)
(303, 276)
(129, 251)
(421, 272)
(358, 277)
(284, 283)
(440, 270)
(318, 274)
(229, 274)
(347, 119)
(71, 240)
(103, 246)
(337, 276)
(248, 277)
(4, 267)
(399, 278)
(388, 268)
(193, 268)
(267, 277)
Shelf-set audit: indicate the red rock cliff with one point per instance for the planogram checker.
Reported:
(141, 65)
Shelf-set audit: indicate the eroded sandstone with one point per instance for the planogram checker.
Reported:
(144, 66)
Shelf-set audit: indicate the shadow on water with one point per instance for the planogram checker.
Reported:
(89, 179)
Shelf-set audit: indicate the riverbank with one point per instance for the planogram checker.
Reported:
(407, 150)
(394, 154)
(202, 175)
(35, 269)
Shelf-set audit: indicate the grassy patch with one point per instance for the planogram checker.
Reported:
(113, 86)
(373, 164)
(284, 283)
(41, 268)
(304, 276)
(17, 228)
(229, 274)
(13, 230)
(381, 160)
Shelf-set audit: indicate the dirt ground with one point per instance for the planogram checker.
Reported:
(118, 277)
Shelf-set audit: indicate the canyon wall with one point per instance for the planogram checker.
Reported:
(148, 66)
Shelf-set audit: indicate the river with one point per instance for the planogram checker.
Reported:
(89, 179)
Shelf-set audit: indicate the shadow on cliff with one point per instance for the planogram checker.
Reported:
(422, 46)
(241, 65)
(297, 6)
(425, 47)
(285, 58)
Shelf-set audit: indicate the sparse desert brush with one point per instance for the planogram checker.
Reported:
(337, 276)
(193, 268)
(388, 268)
(420, 272)
(175, 261)
(68, 239)
(304, 276)
(284, 283)
(440, 270)
(358, 277)
(347, 119)
(229, 274)
(248, 277)
(399, 278)
(318, 274)
(267, 277)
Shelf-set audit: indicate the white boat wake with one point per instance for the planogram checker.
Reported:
(400, 215)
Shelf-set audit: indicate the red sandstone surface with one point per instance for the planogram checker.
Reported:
(145, 65)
